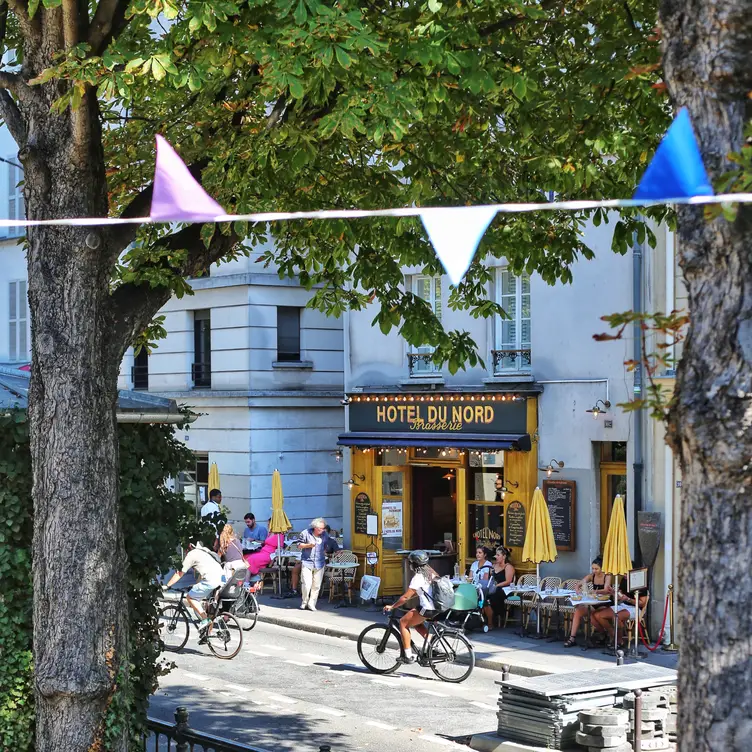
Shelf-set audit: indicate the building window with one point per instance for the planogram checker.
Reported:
(16, 207)
(288, 334)
(193, 483)
(513, 352)
(140, 370)
(419, 358)
(202, 349)
(18, 322)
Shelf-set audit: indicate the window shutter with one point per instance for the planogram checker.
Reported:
(12, 322)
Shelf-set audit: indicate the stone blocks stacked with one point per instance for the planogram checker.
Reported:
(604, 730)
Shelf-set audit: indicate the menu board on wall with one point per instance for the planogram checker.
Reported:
(560, 496)
(516, 524)
(362, 510)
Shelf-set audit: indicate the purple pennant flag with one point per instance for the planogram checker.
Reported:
(177, 195)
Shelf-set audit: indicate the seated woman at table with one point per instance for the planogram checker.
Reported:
(600, 581)
(230, 550)
(482, 567)
(501, 577)
(627, 609)
(261, 558)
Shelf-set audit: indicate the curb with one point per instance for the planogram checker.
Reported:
(493, 665)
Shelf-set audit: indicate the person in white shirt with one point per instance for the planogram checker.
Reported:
(212, 506)
(482, 568)
(420, 587)
(209, 571)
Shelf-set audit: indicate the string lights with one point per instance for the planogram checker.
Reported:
(348, 399)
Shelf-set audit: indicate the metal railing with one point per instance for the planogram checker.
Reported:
(140, 377)
(506, 360)
(201, 374)
(415, 359)
(165, 736)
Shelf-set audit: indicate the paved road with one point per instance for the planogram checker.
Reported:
(289, 690)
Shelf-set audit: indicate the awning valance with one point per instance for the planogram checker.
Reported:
(480, 442)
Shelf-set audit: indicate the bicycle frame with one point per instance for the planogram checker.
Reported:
(433, 629)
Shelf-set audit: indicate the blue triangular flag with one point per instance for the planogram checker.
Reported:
(676, 170)
(455, 233)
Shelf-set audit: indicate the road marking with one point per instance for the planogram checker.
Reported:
(332, 711)
(283, 699)
(484, 706)
(431, 692)
(297, 663)
(384, 682)
(272, 647)
(378, 725)
(258, 653)
(197, 677)
(236, 687)
(314, 656)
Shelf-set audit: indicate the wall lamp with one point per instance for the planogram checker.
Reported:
(352, 482)
(504, 490)
(345, 400)
(596, 411)
(550, 467)
(449, 475)
(337, 455)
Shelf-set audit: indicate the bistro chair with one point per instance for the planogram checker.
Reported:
(519, 600)
(566, 611)
(630, 625)
(536, 603)
(341, 580)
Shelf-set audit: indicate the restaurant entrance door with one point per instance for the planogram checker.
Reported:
(393, 505)
(434, 507)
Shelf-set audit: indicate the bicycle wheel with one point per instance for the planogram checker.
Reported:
(226, 637)
(451, 656)
(173, 628)
(380, 649)
(246, 609)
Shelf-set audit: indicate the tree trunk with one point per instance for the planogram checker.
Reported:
(706, 62)
(80, 607)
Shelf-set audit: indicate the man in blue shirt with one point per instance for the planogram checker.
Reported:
(314, 543)
(253, 531)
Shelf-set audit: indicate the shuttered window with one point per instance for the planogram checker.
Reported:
(16, 207)
(18, 321)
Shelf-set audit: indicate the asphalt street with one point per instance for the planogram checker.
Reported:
(291, 690)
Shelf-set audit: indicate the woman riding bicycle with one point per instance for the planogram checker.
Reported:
(420, 586)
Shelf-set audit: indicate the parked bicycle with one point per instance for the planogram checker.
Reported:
(246, 608)
(223, 635)
(446, 651)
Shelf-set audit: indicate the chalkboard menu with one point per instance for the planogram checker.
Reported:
(516, 524)
(560, 496)
(362, 510)
(649, 536)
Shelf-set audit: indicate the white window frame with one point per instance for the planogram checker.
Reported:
(518, 364)
(422, 368)
(16, 206)
(19, 332)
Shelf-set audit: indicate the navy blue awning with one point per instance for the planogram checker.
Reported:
(477, 441)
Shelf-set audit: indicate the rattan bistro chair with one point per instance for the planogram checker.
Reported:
(566, 611)
(341, 580)
(630, 625)
(520, 599)
(537, 603)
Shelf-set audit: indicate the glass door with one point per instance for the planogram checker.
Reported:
(395, 515)
(613, 483)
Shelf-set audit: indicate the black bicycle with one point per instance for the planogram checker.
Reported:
(223, 635)
(446, 651)
(246, 608)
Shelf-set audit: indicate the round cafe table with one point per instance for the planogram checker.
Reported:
(341, 567)
(589, 602)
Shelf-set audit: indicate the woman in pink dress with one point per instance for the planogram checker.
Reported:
(261, 558)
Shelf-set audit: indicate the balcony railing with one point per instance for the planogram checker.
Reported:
(508, 361)
(140, 378)
(201, 374)
(421, 364)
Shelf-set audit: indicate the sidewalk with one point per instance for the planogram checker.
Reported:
(525, 656)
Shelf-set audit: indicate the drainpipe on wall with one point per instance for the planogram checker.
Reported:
(637, 465)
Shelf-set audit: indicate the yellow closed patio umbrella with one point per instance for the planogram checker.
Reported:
(214, 477)
(279, 523)
(616, 558)
(539, 538)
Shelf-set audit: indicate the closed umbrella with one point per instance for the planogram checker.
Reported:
(616, 558)
(213, 477)
(539, 538)
(279, 524)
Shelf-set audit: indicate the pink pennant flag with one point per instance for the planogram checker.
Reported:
(177, 195)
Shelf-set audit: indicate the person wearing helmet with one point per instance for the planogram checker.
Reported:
(420, 587)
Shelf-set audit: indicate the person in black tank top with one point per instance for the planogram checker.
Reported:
(599, 582)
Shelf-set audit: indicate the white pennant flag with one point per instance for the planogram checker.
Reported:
(455, 233)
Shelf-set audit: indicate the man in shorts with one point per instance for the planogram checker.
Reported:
(209, 572)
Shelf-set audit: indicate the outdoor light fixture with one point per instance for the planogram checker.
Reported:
(550, 467)
(448, 476)
(345, 400)
(596, 411)
(352, 482)
(337, 455)
(504, 490)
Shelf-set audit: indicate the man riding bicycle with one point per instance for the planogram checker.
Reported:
(420, 587)
(209, 571)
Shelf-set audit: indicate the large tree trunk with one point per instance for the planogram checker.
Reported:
(80, 607)
(707, 44)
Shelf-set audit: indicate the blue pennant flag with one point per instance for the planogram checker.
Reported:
(676, 170)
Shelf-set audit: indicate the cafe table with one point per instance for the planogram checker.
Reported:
(557, 594)
(341, 567)
(589, 602)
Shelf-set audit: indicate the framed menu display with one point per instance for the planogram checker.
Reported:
(561, 497)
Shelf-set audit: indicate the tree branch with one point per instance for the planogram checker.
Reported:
(12, 117)
(134, 305)
(30, 27)
(511, 21)
(108, 22)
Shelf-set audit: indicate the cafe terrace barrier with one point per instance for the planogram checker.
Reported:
(180, 737)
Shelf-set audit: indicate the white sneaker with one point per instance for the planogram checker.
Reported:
(311, 608)
(303, 606)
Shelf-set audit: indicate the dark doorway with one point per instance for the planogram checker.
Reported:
(434, 506)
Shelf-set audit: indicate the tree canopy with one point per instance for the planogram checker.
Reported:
(309, 104)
